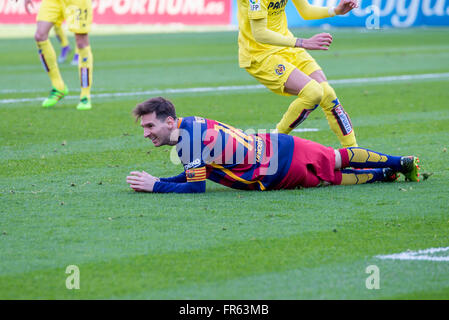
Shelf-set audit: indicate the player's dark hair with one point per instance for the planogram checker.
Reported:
(161, 106)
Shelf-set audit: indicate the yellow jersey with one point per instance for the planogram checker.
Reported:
(274, 11)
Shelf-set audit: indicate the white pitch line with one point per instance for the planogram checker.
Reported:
(306, 130)
(4, 91)
(393, 78)
(148, 92)
(423, 255)
(240, 88)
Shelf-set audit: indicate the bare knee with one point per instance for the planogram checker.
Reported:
(42, 30)
(40, 35)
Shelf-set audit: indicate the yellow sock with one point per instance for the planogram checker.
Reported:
(60, 34)
(48, 58)
(337, 118)
(85, 67)
(298, 111)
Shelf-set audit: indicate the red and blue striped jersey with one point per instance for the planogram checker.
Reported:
(212, 150)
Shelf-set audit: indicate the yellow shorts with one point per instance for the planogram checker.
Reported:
(77, 13)
(274, 70)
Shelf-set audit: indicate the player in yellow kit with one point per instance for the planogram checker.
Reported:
(277, 59)
(78, 16)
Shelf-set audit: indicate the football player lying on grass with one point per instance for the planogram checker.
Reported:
(212, 150)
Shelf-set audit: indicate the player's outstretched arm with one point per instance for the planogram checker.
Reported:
(310, 12)
(186, 187)
(178, 179)
(145, 182)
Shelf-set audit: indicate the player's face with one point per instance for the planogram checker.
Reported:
(156, 130)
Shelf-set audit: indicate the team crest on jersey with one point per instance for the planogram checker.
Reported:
(280, 69)
(254, 5)
(190, 174)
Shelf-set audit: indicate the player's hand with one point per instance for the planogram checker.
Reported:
(345, 6)
(29, 6)
(320, 41)
(141, 181)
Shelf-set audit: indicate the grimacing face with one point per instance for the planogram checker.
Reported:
(158, 131)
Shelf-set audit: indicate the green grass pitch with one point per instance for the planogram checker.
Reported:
(64, 199)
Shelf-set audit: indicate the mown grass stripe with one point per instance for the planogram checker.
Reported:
(134, 274)
(133, 142)
(329, 281)
(239, 88)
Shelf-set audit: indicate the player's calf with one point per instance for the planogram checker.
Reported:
(336, 116)
(361, 158)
